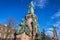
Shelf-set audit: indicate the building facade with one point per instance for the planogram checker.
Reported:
(6, 32)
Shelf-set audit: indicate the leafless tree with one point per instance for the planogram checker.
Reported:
(11, 21)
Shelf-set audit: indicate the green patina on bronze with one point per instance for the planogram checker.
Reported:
(31, 8)
(23, 27)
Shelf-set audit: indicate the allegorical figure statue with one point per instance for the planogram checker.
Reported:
(28, 28)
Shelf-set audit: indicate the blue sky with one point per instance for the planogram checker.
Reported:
(47, 11)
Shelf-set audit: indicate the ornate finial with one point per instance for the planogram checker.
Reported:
(31, 8)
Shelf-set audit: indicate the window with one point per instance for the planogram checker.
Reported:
(6, 30)
(8, 36)
(0, 28)
(3, 29)
(4, 35)
(0, 34)
(9, 31)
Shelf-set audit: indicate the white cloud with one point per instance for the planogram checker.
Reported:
(57, 14)
(50, 29)
(57, 24)
(50, 33)
(40, 3)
